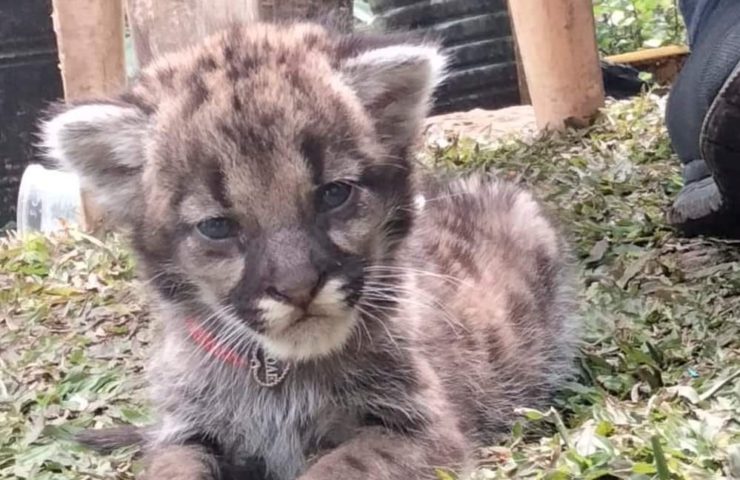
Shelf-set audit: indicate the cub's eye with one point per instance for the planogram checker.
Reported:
(333, 195)
(217, 228)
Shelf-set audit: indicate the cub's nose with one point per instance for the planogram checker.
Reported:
(297, 287)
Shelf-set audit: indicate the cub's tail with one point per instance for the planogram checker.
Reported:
(106, 440)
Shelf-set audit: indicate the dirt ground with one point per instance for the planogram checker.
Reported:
(483, 126)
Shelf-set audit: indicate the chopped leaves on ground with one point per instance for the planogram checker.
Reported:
(658, 391)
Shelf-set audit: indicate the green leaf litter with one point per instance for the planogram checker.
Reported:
(658, 390)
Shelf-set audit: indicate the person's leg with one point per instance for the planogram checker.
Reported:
(699, 109)
(693, 12)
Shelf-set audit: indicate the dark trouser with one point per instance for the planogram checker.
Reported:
(703, 119)
(694, 12)
(714, 37)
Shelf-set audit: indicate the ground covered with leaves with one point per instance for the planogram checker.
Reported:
(658, 396)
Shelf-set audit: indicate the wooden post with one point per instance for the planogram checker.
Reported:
(340, 10)
(91, 55)
(161, 26)
(557, 41)
(524, 98)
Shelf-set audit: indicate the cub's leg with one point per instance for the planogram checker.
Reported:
(379, 454)
(180, 462)
(196, 462)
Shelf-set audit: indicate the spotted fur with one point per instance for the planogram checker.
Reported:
(416, 315)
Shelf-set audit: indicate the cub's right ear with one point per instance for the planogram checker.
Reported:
(103, 144)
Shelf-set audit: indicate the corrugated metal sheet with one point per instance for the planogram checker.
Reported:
(477, 36)
(29, 80)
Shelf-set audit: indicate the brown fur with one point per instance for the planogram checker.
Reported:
(181, 463)
(413, 331)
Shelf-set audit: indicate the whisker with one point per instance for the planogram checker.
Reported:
(412, 298)
(389, 336)
(393, 269)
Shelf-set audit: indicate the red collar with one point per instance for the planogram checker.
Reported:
(205, 340)
(265, 370)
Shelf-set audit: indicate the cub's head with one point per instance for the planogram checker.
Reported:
(261, 176)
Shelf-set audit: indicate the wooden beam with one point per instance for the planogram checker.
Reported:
(161, 26)
(91, 56)
(339, 10)
(650, 55)
(664, 63)
(90, 40)
(557, 42)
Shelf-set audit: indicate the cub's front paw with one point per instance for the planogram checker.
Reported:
(180, 463)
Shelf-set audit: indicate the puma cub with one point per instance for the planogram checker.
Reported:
(325, 312)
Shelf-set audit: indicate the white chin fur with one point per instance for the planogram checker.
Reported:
(327, 332)
(313, 338)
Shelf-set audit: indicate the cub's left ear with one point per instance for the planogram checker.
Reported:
(103, 144)
(395, 84)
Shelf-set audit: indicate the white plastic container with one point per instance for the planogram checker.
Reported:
(46, 197)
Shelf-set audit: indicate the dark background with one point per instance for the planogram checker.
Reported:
(29, 80)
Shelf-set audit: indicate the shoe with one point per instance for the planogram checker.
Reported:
(699, 209)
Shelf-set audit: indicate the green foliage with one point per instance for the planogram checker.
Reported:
(363, 13)
(629, 25)
(658, 395)
(70, 327)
